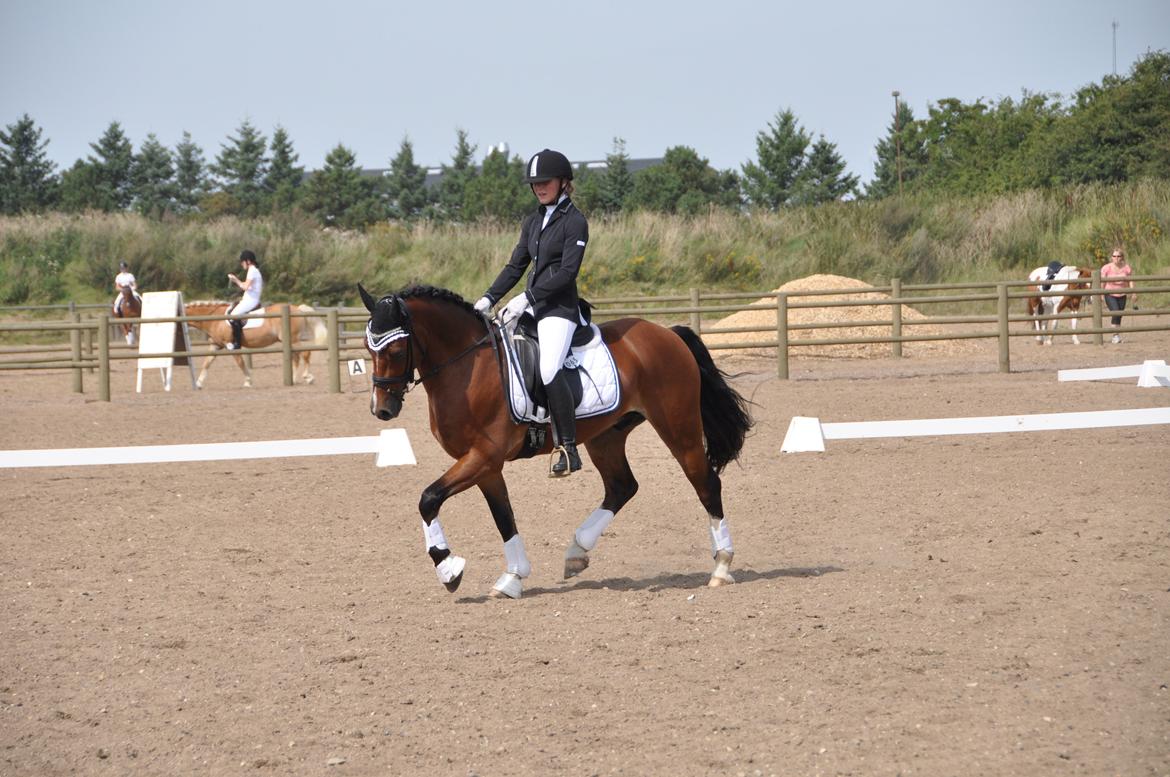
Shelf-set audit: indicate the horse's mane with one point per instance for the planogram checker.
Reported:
(437, 293)
(205, 303)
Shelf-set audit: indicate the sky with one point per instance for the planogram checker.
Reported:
(569, 76)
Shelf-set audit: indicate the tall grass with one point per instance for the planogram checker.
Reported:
(921, 239)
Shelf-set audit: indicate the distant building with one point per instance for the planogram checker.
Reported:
(435, 174)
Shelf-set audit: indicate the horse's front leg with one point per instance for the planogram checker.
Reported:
(206, 365)
(463, 474)
(510, 584)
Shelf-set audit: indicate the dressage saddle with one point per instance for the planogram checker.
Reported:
(527, 347)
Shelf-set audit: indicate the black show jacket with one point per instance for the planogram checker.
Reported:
(555, 254)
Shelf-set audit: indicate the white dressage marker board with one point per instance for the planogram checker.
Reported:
(1150, 373)
(391, 445)
(809, 434)
(163, 337)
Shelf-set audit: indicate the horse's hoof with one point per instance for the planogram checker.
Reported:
(722, 573)
(450, 571)
(575, 566)
(576, 559)
(309, 380)
(508, 585)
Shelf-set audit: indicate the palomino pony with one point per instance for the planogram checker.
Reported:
(258, 333)
(130, 307)
(1063, 279)
(667, 377)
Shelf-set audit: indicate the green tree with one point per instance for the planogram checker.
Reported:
(499, 192)
(27, 181)
(112, 160)
(684, 183)
(1119, 129)
(405, 185)
(80, 187)
(453, 184)
(587, 189)
(339, 195)
(282, 182)
(152, 175)
(190, 175)
(823, 177)
(616, 183)
(241, 166)
(904, 139)
(769, 184)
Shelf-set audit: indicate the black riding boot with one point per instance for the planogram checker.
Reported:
(564, 422)
(237, 332)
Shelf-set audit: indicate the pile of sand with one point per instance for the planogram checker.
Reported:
(837, 315)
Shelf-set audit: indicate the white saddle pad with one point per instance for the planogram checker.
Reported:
(252, 323)
(599, 379)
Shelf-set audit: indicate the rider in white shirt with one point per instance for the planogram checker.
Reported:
(252, 286)
(123, 279)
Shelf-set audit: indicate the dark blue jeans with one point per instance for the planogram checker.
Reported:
(1115, 303)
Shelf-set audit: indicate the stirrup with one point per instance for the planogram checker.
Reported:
(564, 464)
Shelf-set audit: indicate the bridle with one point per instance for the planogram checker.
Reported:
(378, 342)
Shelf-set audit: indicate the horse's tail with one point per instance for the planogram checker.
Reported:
(726, 420)
(315, 330)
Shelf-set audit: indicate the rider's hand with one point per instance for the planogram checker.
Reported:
(515, 308)
(483, 305)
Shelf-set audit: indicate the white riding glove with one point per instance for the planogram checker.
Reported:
(483, 305)
(514, 309)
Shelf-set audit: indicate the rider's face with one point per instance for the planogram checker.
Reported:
(547, 191)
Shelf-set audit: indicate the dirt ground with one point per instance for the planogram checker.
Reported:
(989, 605)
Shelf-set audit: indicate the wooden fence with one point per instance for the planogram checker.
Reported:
(89, 348)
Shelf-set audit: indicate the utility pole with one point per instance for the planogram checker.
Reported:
(898, 140)
(1114, 47)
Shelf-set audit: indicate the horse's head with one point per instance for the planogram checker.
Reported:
(388, 334)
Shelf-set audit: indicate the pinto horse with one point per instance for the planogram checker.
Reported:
(263, 332)
(128, 305)
(1065, 279)
(667, 377)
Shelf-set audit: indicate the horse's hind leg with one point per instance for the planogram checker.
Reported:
(685, 441)
(607, 451)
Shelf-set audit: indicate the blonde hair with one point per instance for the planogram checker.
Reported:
(1117, 250)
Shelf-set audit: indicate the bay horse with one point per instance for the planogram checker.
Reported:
(128, 305)
(667, 377)
(1050, 279)
(262, 333)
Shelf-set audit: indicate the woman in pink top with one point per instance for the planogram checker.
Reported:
(1115, 275)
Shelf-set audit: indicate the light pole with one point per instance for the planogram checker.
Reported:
(898, 140)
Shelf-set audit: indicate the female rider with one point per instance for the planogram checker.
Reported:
(552, 240)
(252, 286)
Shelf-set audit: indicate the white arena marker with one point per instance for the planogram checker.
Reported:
(392, 447)
(1041, 422)
(1150, 373)
(804, 435)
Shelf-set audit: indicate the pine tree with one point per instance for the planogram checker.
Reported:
(499, 192)
(405, 186)
(338, 194)
(112, 166)
(80, 187)
(190, 175)
(453, 184)
(902, 147)
(823, 177)
(152, 175)
(27, 182)
(781, 151)
(241, 166)
(282, 183)
(616, 182)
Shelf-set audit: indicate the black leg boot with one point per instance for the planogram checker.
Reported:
(237, 333)
(564, 422)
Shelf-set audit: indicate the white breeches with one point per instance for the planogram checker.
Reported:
(555, 335)
(243, 306)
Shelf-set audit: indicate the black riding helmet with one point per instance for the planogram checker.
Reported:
(546, 165)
